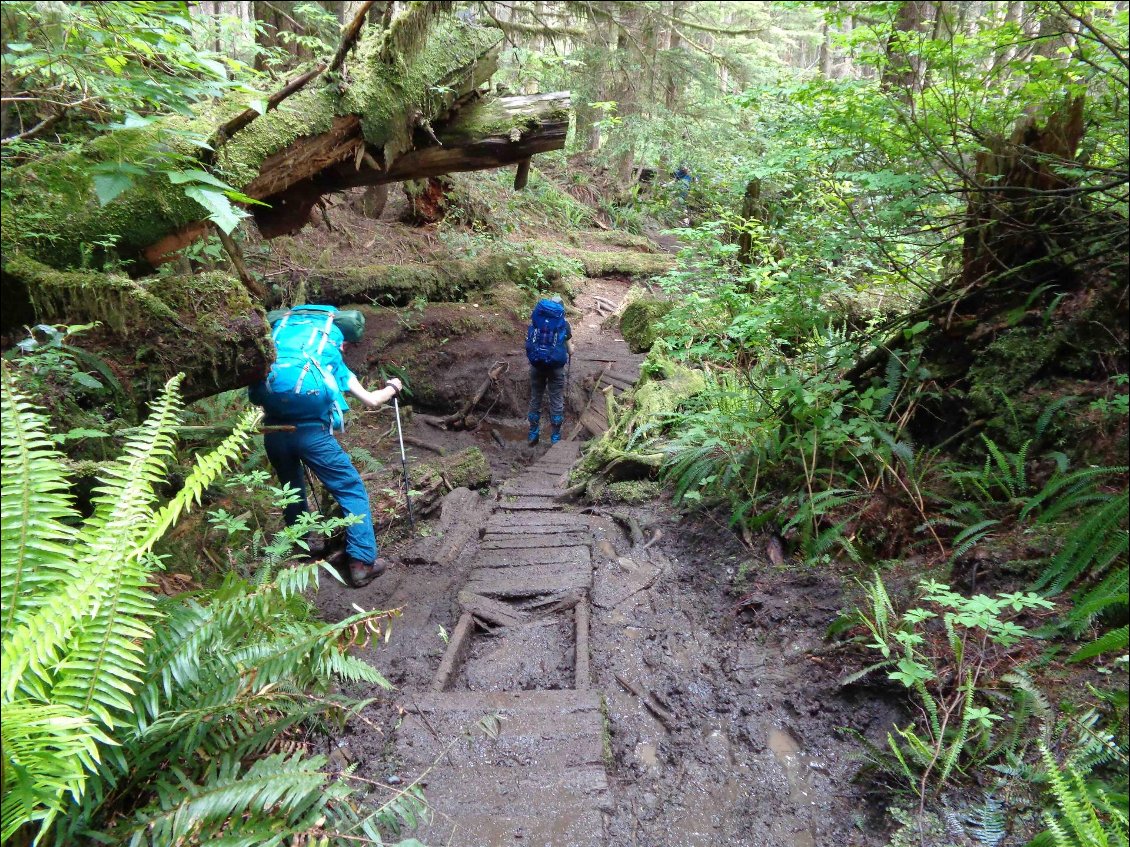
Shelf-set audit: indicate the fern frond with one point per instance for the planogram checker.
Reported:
(49, 751)
(245, 806)
(1091, 547)
(1117, 640)
(35, 508)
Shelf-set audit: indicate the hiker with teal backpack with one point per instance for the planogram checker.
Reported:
(549, 347)
(305, 388)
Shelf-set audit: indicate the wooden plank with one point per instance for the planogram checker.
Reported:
(582, 676)
(528, 581)
(595, 424)
(515, 524)
(494, 541)
(490, 610)
(456, 651)
(519, 504)
(521, 557)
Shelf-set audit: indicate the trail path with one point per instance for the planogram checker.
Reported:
(561, 685)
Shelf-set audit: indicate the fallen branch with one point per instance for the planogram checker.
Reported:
(458, 420)
(424, 445)
(626, 521)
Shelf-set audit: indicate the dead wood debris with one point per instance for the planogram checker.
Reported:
(651, 702)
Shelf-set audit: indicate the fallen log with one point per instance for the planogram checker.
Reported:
(204, 325)
(399, 81)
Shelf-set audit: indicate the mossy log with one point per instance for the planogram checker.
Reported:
(638, 324)
(431, 481)
(203, 325)
(397, 285)
(372, 108)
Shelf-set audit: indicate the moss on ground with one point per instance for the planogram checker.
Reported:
(634, 491)
(638, 322)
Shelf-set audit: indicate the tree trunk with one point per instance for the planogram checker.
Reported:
(427, 199)
(904, 67)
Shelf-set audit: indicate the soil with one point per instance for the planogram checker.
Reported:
(722, 717)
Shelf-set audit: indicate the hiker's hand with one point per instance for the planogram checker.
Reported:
(396, 385)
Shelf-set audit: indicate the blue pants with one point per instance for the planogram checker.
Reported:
(554, 380)
(313, 445)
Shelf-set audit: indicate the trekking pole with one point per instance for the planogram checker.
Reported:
(403, 463)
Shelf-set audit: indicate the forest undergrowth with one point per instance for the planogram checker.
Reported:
(892, 349)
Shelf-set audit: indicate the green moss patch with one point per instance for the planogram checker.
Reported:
(639, 320)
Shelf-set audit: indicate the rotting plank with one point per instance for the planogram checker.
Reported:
(565, 538)
(520, 557)
(535, 539)
(528, 581)
(533, 489)
(490, 610)
(457, 648)
(511, 524)
(594, 423)
(582, 675)
(623, 379)
(545, 504)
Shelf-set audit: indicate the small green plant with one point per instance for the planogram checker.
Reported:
(951, 652)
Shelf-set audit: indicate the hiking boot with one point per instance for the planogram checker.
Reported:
(362, 573)
(535, 434)
(555, 434)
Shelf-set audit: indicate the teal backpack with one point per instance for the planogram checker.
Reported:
(299, 386)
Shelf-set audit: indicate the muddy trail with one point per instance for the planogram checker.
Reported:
(563, 677)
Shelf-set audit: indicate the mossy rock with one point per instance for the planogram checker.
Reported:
(639, 320)
(634, 491)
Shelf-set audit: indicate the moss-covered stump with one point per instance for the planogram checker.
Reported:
(639, 320)
(203, 325)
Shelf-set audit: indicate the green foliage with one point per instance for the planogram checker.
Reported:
(134, 718)
(1084, 815)
(953, 653)
(77, 386)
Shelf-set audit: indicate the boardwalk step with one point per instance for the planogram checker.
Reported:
(519, 504)
(495, 541)
(529, 580)
(533, 556)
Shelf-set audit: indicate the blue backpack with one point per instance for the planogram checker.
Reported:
(299, 386)
(546, 336)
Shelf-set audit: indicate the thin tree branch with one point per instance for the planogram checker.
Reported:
(244, 118)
